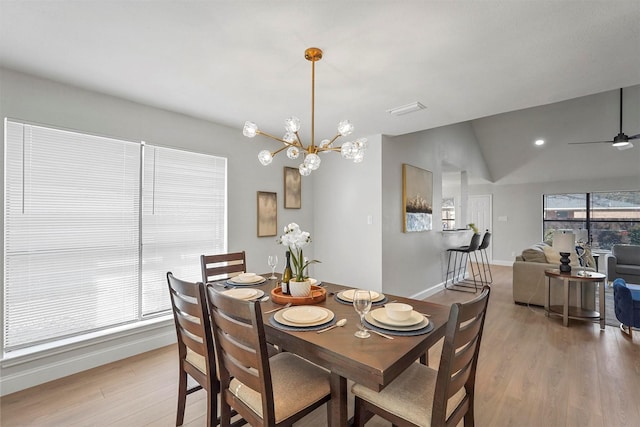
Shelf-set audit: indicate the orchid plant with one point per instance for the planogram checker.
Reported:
(295, 239)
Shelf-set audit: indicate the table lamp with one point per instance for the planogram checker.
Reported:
(564, 242)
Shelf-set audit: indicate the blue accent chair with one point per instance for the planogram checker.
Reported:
(626, 300)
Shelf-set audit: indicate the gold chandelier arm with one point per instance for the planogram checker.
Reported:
(279, 150)
(287, 144)
(329, 149)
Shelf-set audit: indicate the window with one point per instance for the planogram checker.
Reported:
(91, 230)
(608, 217)
(448, 214)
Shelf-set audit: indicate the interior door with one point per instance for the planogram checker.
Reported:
(479, 213)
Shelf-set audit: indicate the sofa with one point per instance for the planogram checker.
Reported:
(626, 300)
(529, 281)
(624, 263)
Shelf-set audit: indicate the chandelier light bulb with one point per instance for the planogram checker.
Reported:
(265, 157)
(359, 157)
(289, 137)
(292, 124)
(304, 170)
(361, 143)
(312, 161)
(293, 152)
(250, 129)
(348, 150)
(293, 145)
(345, 128)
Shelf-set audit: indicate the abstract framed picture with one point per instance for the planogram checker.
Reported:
(417, 199)
(292, 188)
(267, 214)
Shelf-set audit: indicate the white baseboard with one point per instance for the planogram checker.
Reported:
(20, 375)
(503, 263)
(428, 292)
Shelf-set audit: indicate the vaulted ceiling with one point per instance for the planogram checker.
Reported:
(231, 61)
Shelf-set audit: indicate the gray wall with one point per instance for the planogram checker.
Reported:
(348, 219)
(414, 263)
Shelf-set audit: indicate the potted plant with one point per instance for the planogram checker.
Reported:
(295, 239)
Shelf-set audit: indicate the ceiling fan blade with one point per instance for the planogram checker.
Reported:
(593, 142)
(635, 136)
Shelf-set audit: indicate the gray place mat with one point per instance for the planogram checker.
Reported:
(422, 331)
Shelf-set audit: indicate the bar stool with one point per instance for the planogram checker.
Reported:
(486, 239)
(472, 247)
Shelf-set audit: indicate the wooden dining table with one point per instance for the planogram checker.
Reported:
(373, 362)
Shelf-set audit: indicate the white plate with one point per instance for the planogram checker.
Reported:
(348, 295)
(422, 324)
(304, 314)
(278, 316)
(250, 280)
(244, 293)
(380, 315)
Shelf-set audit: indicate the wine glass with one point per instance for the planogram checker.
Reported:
(362, 304)
(273, 262)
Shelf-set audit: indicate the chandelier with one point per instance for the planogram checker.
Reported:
(352, 150)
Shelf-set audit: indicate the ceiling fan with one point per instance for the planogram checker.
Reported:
(621, 141)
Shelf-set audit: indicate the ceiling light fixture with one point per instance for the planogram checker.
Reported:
(539, 142)
(352, 150)
(406, 109)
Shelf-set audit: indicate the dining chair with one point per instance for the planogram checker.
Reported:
(423, 396)
(195, 345)
(276, 391)
(222, 266)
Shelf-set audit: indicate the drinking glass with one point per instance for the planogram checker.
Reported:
(273, 261)
(362, 304)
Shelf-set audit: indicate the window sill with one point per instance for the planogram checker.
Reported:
(42, 351)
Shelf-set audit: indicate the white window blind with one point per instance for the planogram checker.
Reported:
(74, 262)
(184, 216)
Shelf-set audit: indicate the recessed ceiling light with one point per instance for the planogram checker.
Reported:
(539, 142)
(406, 109)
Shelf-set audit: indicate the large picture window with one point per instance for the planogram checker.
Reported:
(609, 217)
(92, 225)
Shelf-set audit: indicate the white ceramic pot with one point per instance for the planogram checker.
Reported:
(300, 289)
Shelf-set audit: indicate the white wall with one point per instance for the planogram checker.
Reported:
(46, 102)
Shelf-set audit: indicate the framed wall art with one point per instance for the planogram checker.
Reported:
(417, 199)
(267, 214)
(292, 188)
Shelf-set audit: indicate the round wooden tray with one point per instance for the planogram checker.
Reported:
(318, 294)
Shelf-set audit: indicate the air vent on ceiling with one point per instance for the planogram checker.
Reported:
(406, 109)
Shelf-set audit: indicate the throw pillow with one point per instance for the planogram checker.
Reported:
(534, 255)
(553, 257)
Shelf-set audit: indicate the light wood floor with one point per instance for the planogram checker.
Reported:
(532, 372)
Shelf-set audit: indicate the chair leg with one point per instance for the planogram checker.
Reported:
(484, 257)
(182, 397)
(360, 414)
(627, 330)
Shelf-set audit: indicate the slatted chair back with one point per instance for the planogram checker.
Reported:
(195, 345)
(459, 360)
(249, 379)
(222, 266)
